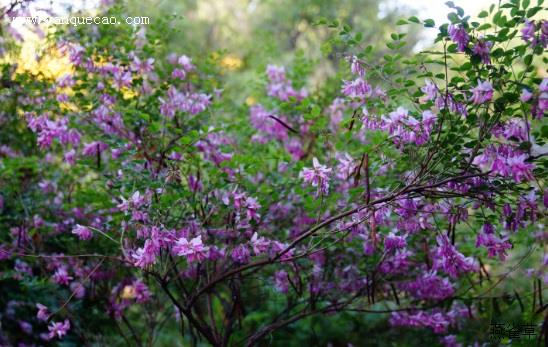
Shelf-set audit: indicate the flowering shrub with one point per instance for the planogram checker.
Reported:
(134, 193)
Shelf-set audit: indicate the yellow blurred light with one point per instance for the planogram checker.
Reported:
(128, 93)
(128, 292)
(231, 63)
(50, 63)
(250, 101)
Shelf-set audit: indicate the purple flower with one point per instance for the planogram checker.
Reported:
(357, 89)
(261, 120)
(519, 168)
(61, 276)
(544, 33)
(429, 286)
(482, 93)
(26, 327)
(526, 95)
(193, 250)
(178, 73)
(83, 233)
(317, 176)
(58, 329)
(280, 87)
(42, 313)
(281, 281)
(94, 148)
(142, 66)
(122, 79)
(448, 259)
(252, 207)
(495, 245)
(482, 48)
(436, 320)
(398, 263)
(194, 184)
(356, 66)
(450, 341)
(505, 161)
(346, 167)
(192, 103)
(69, 157)
(459, 35)
(276, 74)
(528, 31)
(186, 63)
(240, 254)
(393, 241)
(259, 244)
(65, 81)
(78, 289)
(430, 90)
(142, 294)
(146, 255)
(22, 267)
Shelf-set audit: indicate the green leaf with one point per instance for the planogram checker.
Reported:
(483, 14)
(533, 11)
(429, 23)
(453, 18)
(402, 22)
(414, 19)
(316, 110)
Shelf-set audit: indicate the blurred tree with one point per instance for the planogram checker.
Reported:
(252, 33)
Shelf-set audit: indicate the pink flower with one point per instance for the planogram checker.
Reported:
(83, 233)
(43, 313)
(146, 255)
(193, 250)
(519, 168)
(317, 176)
(58, 329)
(61, 276)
